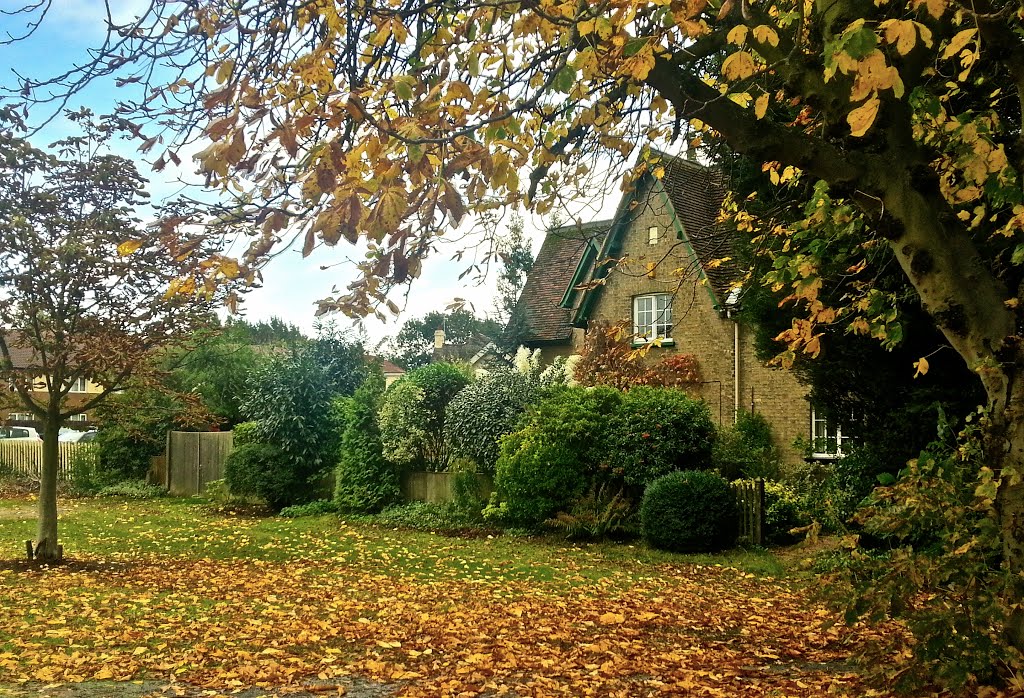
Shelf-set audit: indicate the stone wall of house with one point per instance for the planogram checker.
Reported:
(670, 267)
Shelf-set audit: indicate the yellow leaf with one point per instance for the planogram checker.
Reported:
(611, 618)
(761, 106)
(128, 246)
(900, 32)
(737, 35)
(738, 66)
(921, 366)
(861, 118)
(958, 42)
(766, 35)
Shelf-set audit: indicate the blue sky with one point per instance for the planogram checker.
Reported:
(291, 284)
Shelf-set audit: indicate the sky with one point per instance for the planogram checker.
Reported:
(291, 284)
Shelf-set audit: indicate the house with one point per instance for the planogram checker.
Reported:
(13, 411)
(672, 285)
(480, 352)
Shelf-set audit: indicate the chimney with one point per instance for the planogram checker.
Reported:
(438, 339)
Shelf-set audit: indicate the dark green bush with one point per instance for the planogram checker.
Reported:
(655, 431)
(364, 481)
(689, 511)
(422, 516)
(263, 470)
(746, 449)
(549, 463)
(484, 411)
(245, 433)
(123, 455)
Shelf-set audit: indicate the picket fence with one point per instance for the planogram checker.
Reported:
(25, 458)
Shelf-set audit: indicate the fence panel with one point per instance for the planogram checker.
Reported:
(195, 459)
(438, 488)
(25, 458)
(750, 499)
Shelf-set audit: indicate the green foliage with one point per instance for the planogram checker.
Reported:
(291, 398)
(364, 480)
(217, 369)
(422, 516)
(944, 577)
(133, 429)
(123, 455)
(602, 512)
(655, 431)
(412, 414)
(413, 346)
(546, 465)
(84, 465)
(689, 511)
(783, 511)
(746, 449)
(484, 411)
(132, 489)
(245, 433)
(318, 507)
(265, 471)
(469, 494)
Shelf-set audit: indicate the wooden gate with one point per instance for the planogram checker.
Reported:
(750, 501)
(195, 459)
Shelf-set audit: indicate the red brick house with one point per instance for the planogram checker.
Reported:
(670, 285)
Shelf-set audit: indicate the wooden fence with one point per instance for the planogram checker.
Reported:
(195, 459)
(438, 488)
(750, 500)
(25, 458)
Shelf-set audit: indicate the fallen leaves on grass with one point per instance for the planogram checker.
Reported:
(233, 624)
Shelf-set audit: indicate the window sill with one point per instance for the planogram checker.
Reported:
(826, 456)
(664, 343)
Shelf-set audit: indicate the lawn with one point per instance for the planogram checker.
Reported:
(167, 592)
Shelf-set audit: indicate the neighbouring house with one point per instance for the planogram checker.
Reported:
(13, 411)
(671, 284)
(480, 352)
(391, 371)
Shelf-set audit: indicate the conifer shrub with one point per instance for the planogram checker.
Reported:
(365, 482)
(689, 511)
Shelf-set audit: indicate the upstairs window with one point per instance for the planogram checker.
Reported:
(652, 317)
(78, 386)
(652, 235)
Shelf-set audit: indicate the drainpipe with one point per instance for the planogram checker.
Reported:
(735, 371)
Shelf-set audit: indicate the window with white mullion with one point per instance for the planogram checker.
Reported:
(652, 317)
(827, 438)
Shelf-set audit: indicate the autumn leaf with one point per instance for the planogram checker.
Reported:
(861, 118)
(128, 246)
(738, 66)
(920, 367)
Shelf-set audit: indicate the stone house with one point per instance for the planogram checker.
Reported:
(658, 266)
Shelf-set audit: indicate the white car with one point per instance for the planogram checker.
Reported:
(20, 434)
(75, 436)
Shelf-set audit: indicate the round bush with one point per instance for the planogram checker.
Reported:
(263, 470)
(245, 433)
(656, 431)
(483, 412)
(689, 511)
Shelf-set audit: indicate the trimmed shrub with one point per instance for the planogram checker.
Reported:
(484, 411)
(412, 414)
(132, 489)
(655, 431)
(315, 508)
(365, 482)
(549, 463)
(689, 511)
(263, 470)
(245, 433)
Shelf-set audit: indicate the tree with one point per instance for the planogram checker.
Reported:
(382, 122)
(517, 261)
(291, 397)
(413, 346)
(365, 481)
(87, 294)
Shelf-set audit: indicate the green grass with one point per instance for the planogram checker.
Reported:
(186, 528)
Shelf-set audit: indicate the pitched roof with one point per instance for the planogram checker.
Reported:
(22, 355)
(461, 352)
(696, 193)
(539, 315)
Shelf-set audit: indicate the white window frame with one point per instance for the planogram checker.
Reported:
(652, 318)
(653, 235)
(80, 385)
(824, 436)
(80, 417)
(21, 417)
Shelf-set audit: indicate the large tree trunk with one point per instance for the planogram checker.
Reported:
(46, 547)
(1005, 450)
